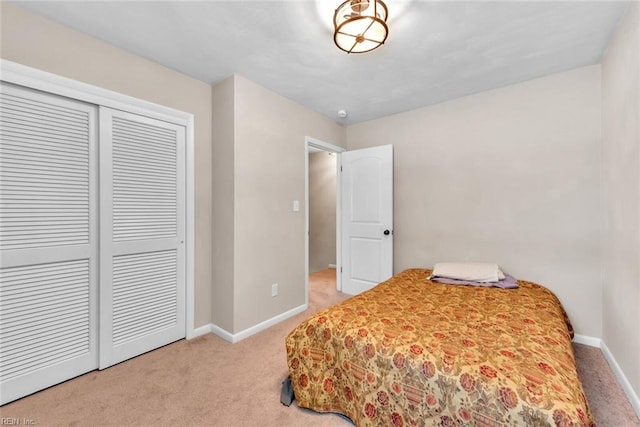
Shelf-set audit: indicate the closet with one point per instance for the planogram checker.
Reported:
(92, 236)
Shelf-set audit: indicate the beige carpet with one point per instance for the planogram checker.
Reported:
(209, 382)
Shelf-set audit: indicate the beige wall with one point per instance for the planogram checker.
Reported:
(509, 176)
(322, 210)
(223, 123)
(39, 43)
(621, 160)
(268, 175)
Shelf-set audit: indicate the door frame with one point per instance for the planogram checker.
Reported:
(33, 78)
(310, 144)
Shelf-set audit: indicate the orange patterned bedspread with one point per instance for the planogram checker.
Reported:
(412, 352)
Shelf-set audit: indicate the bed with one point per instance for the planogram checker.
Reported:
(415, 352)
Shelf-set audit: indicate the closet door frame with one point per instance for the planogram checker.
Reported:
(29, 77)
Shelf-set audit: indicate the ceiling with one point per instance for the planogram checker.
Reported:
(435, 51)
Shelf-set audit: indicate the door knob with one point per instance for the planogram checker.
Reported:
(386, 232)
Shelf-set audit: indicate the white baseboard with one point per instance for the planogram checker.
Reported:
(332, 266)
(222, 333)
(199, 331)
(587, 340)
(234, 338)
(622, 379)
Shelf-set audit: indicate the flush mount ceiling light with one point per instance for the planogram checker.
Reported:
(360, 25)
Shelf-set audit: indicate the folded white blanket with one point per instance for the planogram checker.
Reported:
(473, 271)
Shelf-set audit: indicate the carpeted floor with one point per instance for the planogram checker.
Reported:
(607, 400)
(209, 382)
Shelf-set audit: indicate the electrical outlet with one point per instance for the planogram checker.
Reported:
(274, 290)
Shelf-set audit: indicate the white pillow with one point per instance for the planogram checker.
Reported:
(482, 272)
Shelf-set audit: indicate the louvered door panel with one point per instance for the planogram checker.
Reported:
(142, 261)
(48, 245)
(45, 315)
(144, 294)
(144, 181)
(44, 165)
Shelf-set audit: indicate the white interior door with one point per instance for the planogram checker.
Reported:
(367, 218)
(142, 253)
(48, 241)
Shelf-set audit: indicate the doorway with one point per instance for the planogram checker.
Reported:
(363, 215)
(322, 210)
(322, 183)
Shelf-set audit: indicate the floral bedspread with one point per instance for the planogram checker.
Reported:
(412, 352)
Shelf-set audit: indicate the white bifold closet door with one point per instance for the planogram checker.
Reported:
(48, 240)
(92, 229)
(142, 231)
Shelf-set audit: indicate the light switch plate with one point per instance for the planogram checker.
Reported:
(296, 205)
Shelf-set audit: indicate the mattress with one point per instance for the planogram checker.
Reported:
(415, 352)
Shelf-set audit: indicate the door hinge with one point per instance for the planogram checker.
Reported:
(340, 168)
